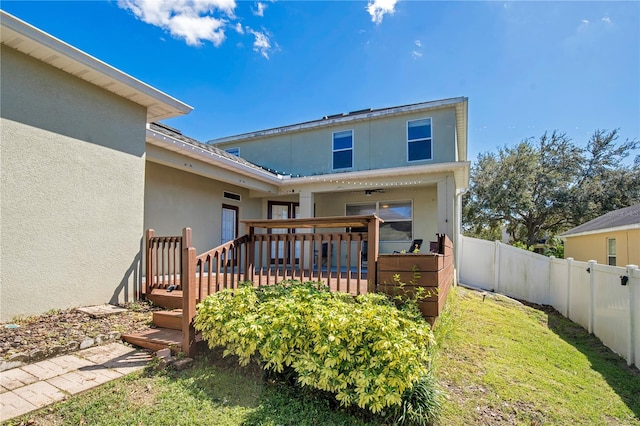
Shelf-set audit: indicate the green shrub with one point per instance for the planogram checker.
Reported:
(363, 350)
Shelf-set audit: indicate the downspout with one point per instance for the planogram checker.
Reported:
(458, 234)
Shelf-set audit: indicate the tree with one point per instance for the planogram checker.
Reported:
(540, 188)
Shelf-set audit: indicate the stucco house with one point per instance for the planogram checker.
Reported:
(611, 239)
(87, 166)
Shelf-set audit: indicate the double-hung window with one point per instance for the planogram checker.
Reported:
(611, 251)
(419, 143)
(343, 150)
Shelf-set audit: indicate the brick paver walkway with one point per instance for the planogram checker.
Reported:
(37, 385)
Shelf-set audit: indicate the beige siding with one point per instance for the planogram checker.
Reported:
(594, 247)
(72, 174)
(175, 199)
(378, 143)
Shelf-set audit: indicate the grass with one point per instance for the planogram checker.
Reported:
(502, 362)
(499, 362)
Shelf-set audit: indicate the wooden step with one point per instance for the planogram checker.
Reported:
(165, 299)
(168, 319)
(156, 339)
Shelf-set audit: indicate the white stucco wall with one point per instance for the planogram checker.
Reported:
(72, 190)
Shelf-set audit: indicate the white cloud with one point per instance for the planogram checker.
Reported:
(378, 8)
(418, 43)
(192, 20)
(238, 28)
(416, 55)
(260, 9)
(606, 19)
(585, 22)
(261, 44)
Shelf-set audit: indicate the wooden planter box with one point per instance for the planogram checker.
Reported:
(432, 272)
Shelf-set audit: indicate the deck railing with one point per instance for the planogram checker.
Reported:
(163, 261)
(285, 249)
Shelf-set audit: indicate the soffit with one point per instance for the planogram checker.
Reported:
(33, 42)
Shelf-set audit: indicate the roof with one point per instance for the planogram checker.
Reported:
(626, 218)
(171, 138)
(25, 38)
(460, 104)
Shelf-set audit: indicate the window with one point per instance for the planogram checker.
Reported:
(611, 251)
(397, 216)
(343, 150)
(233, 151)
(419, 145)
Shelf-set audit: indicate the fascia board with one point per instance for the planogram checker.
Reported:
(602, 231)
(348, 119)
(34, 42)
(184, 148)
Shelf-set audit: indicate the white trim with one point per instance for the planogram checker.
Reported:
(190, 150)
(348, 119)
(334, 150)
(25, 38)
(430, 138)
(603, 230)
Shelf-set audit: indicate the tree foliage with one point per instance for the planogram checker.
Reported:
(542, 187)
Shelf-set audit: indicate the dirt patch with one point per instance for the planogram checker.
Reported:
(38, 337)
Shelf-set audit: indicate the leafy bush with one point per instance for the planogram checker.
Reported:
(363, 350)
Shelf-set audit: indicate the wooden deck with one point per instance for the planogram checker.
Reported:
(178, 278)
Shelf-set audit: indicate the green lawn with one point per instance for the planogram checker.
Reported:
(499, 362)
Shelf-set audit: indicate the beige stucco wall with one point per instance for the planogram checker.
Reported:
(175, 199)
(72, 190)
(594, 247)
(378, 143)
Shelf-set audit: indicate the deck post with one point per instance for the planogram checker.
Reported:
(188, 281)
(372, 253)
(148, 279)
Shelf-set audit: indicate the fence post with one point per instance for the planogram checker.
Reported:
(496, 267)
(568, 303)
(148, 279)
(188, 280)
(592, 287)
(633, 273)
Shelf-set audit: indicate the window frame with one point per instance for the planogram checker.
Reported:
(377, 213)
(613, 256)
(334, 150)
(233, 151)
(429, 139)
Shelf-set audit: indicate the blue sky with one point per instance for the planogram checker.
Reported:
(526, 67)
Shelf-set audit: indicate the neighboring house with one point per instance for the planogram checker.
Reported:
(86, 168)
(611, 239)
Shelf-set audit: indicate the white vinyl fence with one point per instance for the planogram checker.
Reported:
(603, 299)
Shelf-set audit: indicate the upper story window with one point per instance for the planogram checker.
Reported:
(343, 150)
(611, 251)
(419, 146)
(233, 151)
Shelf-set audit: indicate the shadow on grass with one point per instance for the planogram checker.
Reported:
(623, 379)
(223, 382)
